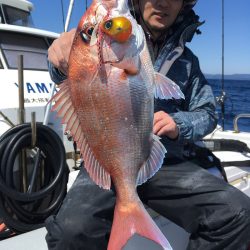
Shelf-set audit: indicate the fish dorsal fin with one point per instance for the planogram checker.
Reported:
(65, 109)
(165, 88)
(154, 162)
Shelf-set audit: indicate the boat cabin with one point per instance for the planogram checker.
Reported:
(18, 36)
(15, 12)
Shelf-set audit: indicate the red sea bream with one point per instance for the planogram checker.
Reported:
(107, 103)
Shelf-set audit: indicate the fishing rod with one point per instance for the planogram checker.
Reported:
(71, 4)
(222, 98)
(63, 19)
(223, 93)
(66, 26)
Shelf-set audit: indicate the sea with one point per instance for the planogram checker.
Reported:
(237, 101)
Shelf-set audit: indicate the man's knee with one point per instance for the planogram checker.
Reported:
(225, 223)
(242, 214)
(87, 233)
(233, 217)
(238, 201)
(59, 236)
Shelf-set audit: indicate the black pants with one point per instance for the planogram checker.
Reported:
(216, 214)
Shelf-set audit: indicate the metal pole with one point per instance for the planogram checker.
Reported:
(21, 111)
(38, 157)
(33, 143)
(69, 15)
(7, 119)
(63, 14)
(33, 129)
(21, 116)
(222, 73)
(48, 107)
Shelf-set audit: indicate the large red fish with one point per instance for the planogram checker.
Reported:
(107, 103)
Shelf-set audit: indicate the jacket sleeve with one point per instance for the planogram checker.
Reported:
(198, 117)
(56, 76)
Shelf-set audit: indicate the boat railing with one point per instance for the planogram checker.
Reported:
(235, 122)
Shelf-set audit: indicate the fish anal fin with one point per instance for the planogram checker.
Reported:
(134, 219)
(165, 88)
(96, 172)
(154, 162)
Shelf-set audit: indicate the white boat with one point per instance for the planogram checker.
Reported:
(18, 36)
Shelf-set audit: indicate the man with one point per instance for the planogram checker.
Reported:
(215, 214)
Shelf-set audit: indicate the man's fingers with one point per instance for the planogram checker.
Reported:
(158, 116)
(165, 125)
(57, 58)
(159, 125)
(72, 33)
(163, 131)
(58, 53)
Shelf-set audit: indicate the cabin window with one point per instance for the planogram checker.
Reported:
(34, 50)
(16, 16)
(1, 16)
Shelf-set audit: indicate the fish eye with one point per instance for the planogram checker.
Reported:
(89, 31)
(108, 25)
(85, 37)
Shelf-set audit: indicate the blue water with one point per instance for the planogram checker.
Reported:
(237, 102)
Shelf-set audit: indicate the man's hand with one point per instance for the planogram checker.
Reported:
(58, 52)
(164, 124)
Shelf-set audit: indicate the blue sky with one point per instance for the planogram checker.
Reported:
(47, 15)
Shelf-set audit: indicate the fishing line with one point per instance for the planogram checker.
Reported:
(62, 8)
(132, 8)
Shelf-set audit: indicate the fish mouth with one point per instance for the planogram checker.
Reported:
(113, 52)
(113, 62)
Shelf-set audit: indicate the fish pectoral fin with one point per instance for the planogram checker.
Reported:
(165, 88)
(130, 65)
(154, 162)
(63, 103)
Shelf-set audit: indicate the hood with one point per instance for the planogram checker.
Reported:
(189, 4)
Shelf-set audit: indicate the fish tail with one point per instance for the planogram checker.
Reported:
(134, 219)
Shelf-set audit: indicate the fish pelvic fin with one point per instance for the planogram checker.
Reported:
(65, 110)
(131, 219)
(154, 162)
(165, 88)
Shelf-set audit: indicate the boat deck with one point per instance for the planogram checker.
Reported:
(176, 236)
